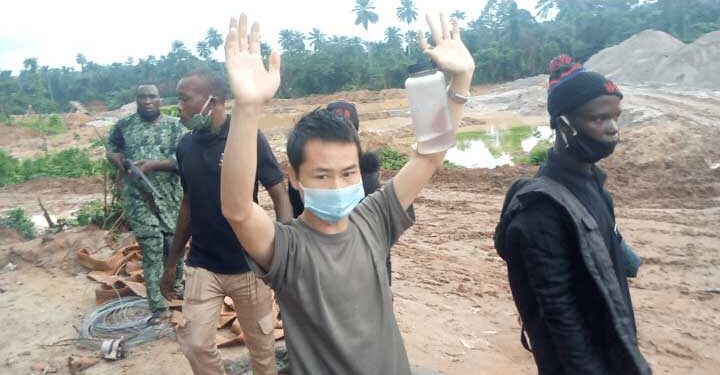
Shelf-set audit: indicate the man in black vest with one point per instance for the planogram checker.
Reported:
(557, 233)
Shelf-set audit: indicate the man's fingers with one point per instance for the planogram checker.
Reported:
(431, 53)
(255, 38)
(242, 33)
(437, 36)
(274, 63)
(445, 27)
(422, 41)
(231, 42)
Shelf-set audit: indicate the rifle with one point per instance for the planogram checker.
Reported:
(135, 171)
(129, 164)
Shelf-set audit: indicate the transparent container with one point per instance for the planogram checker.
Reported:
(427, 93)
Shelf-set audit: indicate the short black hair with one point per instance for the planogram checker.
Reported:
(216, 84)
(323, 125)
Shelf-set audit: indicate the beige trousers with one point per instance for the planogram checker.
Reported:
(204, 294)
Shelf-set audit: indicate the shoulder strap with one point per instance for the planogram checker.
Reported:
(505, 216)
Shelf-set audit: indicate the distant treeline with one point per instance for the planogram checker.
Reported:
(507, 43)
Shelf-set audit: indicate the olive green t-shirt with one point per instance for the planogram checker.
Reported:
(333, 292)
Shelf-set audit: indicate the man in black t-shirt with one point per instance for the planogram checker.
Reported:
(216, 266)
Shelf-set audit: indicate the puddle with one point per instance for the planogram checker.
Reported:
(495, 147)
(40, 222)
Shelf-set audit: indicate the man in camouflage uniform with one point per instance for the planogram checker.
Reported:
(149, 139)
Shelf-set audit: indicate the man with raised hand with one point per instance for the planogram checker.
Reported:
(328, 266)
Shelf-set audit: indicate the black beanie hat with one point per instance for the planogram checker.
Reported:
(571, 86)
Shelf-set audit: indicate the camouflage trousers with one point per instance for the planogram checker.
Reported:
(153, 236)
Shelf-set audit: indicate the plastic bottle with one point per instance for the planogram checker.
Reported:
(427, 93)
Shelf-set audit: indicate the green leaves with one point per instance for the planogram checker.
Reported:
(72, 162)
(391, 159)
(18, 220)
(48, 125)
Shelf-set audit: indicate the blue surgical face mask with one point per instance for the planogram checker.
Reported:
(331, 205)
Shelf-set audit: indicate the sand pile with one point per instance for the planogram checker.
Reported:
(657, 57)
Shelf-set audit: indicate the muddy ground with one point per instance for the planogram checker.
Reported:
(452, 298)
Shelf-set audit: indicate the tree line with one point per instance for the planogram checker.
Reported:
(507, 43)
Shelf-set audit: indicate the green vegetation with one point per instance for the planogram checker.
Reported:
(508, 141)
(171, 110)
(504, 140)
(48, 125)
(95, 212)
(391, 159)
(537, 155)
(447, 164)
(72, 162)
(18, 220)
(506, 42)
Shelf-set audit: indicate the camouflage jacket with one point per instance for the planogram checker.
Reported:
(141, 140)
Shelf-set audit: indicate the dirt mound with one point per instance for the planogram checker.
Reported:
(655, 56)
(666, 164)
(525, 96)
(54, 251)
(77, 118)
(8, 236)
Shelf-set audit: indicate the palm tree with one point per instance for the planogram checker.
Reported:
(292, 40)
(316, 38)
(365, 15)
(392, 36)
(177, 46)
(407, 12)
(544, 7)
(213, 38)
(30, 64)
(457, 15)
(178, 51)
(411, 42)
(203, 49)
(81, 60)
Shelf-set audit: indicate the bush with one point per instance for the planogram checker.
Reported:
(49, 125)
(18, 220)
(447, 164)
(537, 155)
(8, 169)
(94, 213)
(73, 162)
(391, 159)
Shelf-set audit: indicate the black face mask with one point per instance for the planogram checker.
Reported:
(585, 148)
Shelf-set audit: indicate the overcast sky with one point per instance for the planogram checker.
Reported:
(111, 31)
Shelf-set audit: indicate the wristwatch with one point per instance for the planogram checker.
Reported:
(457, 98)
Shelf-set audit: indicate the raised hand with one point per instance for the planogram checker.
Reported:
(250, 82)
(449, 53)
